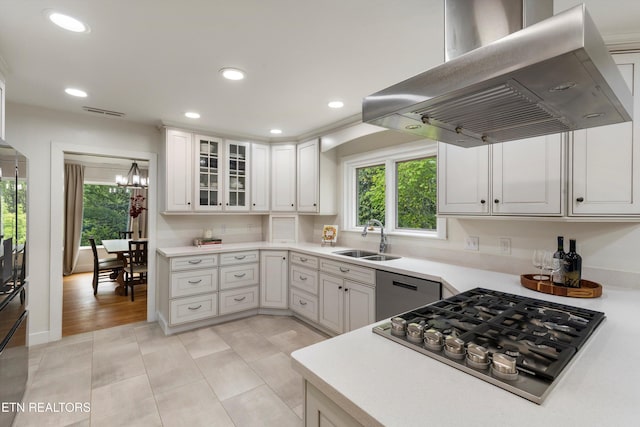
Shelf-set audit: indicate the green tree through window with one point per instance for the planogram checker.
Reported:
(105, 212)
(371, 193)
(9, 206)
(416, 182)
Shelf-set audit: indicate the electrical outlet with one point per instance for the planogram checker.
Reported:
(505, 245)
(472, 243)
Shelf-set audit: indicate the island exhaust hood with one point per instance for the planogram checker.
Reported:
(554, 75)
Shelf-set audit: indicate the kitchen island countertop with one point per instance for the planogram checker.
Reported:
(382, 383)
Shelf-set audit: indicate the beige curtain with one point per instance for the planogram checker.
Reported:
(73, 182)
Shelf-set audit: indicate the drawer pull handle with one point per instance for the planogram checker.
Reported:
(304, 259)
(239, 299)
(240, 275)
(302, 302)
(344, 270)
(195, 261)
(240, 257)
(195, 308)
(195, 282)
(303, 277)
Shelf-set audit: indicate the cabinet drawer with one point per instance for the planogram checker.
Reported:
(185, 283)
(238, 300)
(240, 275)
(193, 308)
(349, 271)
(233, 258)
(303, 259)
(304, 304)
(194, 261)
(304, 278)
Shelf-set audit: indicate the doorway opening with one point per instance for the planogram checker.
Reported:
(108, 211)
(60, 152)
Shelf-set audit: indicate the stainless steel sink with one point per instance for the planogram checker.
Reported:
(355, 253)
(380, 257)
(369, 256)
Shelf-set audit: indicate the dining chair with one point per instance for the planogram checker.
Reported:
(129, 234)
(103, 268)
(135, 268)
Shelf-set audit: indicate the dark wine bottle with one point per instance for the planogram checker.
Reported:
(572, 266)
(558, 263)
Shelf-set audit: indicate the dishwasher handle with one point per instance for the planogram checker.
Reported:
(405, 285)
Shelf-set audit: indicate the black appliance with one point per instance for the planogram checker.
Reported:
(517, 343)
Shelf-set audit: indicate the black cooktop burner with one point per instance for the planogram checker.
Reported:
(474, 330)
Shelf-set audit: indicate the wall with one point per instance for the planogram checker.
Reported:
(609, 250)
(31, 130)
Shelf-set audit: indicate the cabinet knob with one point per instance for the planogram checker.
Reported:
(339, 287)
(227, 204)
(496, 201)
(220, 204)
(315, 204)
(188, 203)
(483, 201)
(291, 204)
(580, 199)
(284, 258)
(254, 204)
(346, 289)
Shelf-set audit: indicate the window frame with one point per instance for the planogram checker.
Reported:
(387, 157)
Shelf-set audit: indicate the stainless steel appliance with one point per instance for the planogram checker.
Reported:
(510, 74)
(14, 353)
(519, 344)
(396, 293)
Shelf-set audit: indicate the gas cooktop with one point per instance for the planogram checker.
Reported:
(517, 343)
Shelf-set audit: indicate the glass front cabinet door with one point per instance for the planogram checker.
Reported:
(237, 176)
(209, 176)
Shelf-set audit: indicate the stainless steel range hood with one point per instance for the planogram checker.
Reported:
(553, 76)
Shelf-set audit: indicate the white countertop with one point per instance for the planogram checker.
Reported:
(392, 385)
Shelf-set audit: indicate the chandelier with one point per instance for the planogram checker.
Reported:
(133, 179)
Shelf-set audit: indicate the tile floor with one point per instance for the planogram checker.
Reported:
(233, 374)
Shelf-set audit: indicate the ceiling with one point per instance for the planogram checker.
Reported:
(154, 60)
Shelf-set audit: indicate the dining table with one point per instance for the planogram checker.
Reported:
(119, 247)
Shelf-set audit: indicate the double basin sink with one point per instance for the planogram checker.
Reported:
(367, 255)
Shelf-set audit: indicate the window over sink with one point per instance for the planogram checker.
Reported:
(396, 186)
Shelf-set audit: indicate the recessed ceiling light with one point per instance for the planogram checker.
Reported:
(336, 104)
(75, 92)
(232, 73)
(276, 131)
(67, 22)
(192, 115)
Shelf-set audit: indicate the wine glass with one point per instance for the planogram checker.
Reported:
(538, 262)
(550, 265)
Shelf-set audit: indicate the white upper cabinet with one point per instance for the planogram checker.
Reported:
(283, 177)
(527, 176)
(605, 161)
(315, 167)
(463, 180)
(308, 176)
(522, 177)
(208, 173)
(178, 171)
(260, 177)
(237, 176)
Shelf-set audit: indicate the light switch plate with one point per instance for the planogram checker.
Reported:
(472, 243)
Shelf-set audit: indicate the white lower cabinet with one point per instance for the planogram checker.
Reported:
(273, 279)
(345, 305)
(236, 300)
(193, 308)
(237, 276)
(303, 285)
(304, 304)
(320, 411)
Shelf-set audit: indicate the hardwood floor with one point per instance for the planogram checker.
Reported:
(84, 312)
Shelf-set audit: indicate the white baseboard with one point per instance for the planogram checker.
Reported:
(38, 338)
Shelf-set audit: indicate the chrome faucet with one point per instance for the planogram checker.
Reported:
(383, 237)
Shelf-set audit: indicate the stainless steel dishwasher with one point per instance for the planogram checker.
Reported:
(397, 293)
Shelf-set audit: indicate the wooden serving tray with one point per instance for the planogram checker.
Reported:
(587, 288)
